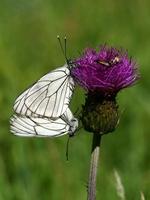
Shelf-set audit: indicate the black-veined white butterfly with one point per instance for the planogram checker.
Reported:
(42, 110)
(44, 127)
(49, 96)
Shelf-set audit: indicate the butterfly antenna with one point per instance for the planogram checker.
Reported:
(67, 149)
(65, 44)
(61, 46)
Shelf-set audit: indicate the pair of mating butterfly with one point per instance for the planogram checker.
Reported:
(43, 109)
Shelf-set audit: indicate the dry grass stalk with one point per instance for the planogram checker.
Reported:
(119, 186)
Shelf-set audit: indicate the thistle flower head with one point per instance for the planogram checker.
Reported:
(103, 74)
(107, 71)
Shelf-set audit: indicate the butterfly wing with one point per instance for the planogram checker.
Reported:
(43, 127)
(67, 116)
(48, 97)
(38, 127)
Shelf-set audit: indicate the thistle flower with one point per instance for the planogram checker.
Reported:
(107, 71)
(103, 74)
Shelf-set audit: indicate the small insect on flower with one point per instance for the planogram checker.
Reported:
(103, 74)
(42, 110)
(109, 63)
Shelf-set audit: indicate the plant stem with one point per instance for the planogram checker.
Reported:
(93, 166)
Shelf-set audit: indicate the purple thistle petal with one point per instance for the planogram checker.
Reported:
(108, 71)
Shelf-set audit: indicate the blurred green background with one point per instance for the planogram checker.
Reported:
(37, 168)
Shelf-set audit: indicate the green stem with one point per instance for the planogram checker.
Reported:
(93, 167)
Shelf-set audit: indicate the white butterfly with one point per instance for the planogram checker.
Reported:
(49, 96)
(42, 110)
(44, 127)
